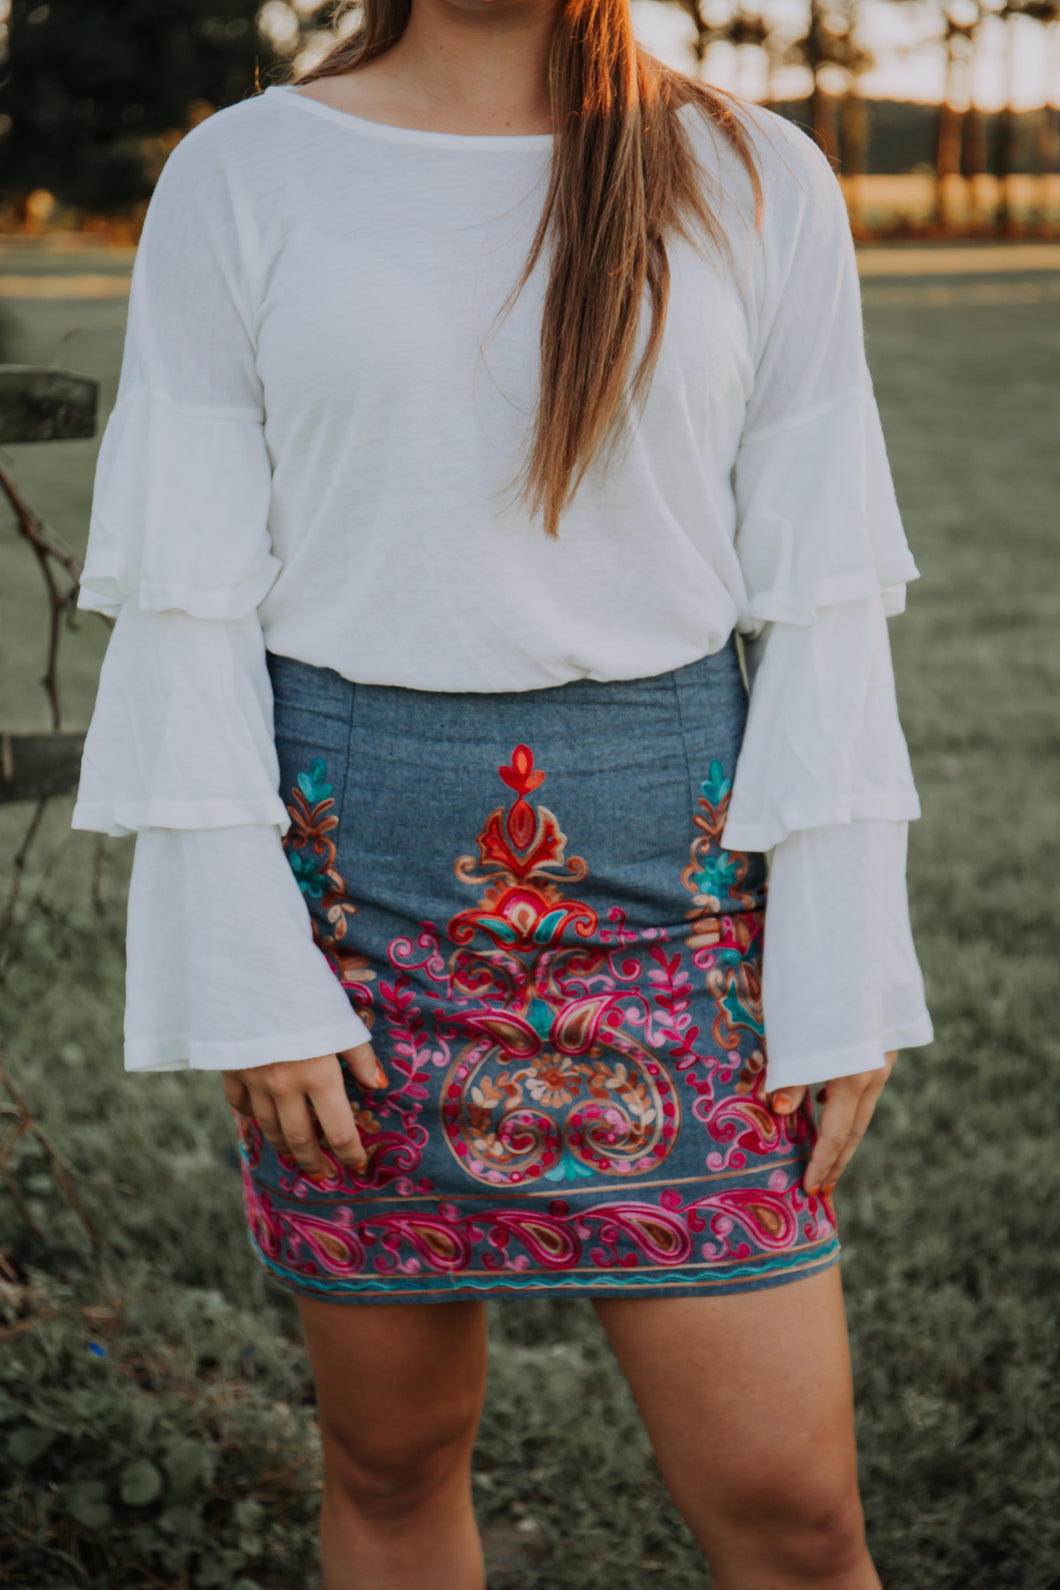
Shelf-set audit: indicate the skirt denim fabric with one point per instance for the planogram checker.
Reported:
(525, 896)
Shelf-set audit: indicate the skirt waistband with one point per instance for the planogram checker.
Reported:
(623, 735)
(714, 683)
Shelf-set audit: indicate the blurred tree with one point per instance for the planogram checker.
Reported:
(828, 47)
(826, 29)
(95, 93)
(87, 82)
(705, 32)
(1047, 14)
(961, 19)
(1004, 219)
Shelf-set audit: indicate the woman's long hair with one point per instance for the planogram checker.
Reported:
(623, 176)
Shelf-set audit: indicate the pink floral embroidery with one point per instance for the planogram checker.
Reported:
(568, 1053)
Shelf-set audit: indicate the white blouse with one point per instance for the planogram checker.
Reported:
(316, 427)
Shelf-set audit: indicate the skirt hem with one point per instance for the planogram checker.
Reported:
(754, 1277)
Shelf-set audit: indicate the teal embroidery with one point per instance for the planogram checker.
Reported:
(313, 784)
(567, 1169)
(716, 786)
(310, 880)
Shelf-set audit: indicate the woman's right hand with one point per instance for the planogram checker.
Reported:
(278, 1097)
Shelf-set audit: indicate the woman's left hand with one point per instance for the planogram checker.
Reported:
(848, 1106)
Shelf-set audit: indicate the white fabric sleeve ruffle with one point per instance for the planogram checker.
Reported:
(823, 779)
(845, 987)
(823, 742)
(181, 734)
(180, 747)
(223, 968)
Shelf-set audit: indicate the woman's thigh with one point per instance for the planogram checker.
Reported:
(399, 1385)
(748, 1403)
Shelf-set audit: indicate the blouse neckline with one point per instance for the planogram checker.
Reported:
(412, 135)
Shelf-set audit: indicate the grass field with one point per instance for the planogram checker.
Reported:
(950, 1213)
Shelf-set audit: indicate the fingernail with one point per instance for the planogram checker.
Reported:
(829, 1189)
(380, 1078)
(783, 1102)
(813, 1191)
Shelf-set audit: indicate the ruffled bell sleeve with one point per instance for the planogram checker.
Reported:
(823, 780)
(222, 970)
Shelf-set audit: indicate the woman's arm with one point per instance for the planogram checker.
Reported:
(823, 781)
(180, 748)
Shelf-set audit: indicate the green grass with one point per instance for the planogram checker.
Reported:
(950, 1212)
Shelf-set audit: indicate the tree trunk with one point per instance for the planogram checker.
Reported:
(1004, 216)
(973, 142)
(822, 105)
(948, 157)
(856, 128)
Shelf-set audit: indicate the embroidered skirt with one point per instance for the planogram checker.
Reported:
(525, 896)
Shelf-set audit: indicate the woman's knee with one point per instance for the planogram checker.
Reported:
(392, 1472)
(804, 1528)
(824, 1540)
(399, 1393)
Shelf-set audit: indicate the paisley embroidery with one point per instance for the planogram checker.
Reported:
(720, 1230)
(554, 1052)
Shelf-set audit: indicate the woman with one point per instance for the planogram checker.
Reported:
(478, 388)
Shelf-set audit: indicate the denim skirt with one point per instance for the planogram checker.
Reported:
(525, 896)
